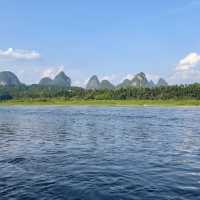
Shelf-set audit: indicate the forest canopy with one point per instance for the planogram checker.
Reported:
(191, 91)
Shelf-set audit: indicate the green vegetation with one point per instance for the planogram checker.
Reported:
(59, 101)
(183, 95)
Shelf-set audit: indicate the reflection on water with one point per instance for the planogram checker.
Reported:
(99, 153)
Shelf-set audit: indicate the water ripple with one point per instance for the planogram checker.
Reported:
(99, 153)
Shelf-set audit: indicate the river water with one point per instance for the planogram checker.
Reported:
(93, 153)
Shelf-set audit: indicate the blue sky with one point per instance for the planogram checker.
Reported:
(112, 39)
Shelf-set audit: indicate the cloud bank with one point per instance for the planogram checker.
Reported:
(188, 62)
(187, 70)
(19, 54)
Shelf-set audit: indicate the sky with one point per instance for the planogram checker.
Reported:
(111, 39)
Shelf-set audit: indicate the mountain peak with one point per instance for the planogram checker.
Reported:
(139, 80)
(8, 78)
(61, 74)
(94, 77)
(61, 79)
(142, 74)
(93, 83)
(162, 82)
(105, 84)
(124, 84)
(151, 84)
(45, 81)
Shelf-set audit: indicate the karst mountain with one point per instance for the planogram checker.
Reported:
(8, 78)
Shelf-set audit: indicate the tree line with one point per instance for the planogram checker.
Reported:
(191, 91)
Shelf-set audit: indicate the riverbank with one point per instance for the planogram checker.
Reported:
(134, 102)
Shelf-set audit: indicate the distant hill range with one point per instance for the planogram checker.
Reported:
(62, 80)
(94, 83)
(139, 80)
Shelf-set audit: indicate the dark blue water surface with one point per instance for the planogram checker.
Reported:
(99, 153)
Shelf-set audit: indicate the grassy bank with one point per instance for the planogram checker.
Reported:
(184, 102)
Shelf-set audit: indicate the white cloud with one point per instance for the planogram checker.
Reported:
(18, 54)
(111, 78)
(129, 76)
(153, 77)
(187, 70)
(51, 72)
(85, 81)
(188, 62)
(183, 77)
